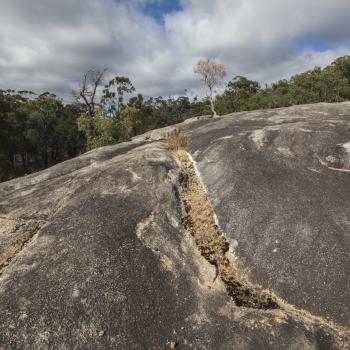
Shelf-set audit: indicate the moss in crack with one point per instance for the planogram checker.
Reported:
(200, 221)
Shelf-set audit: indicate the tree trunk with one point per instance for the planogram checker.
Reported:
(24, 161)
(90, 135)
(212, 104)
(12, 161)
(45, 158)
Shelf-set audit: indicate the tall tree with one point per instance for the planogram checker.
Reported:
(211, 73)
(136, 101)
(113, 95)
(238, 92)
(44, 114)
(87, 93)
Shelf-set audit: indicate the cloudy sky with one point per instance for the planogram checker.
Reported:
(49, 44)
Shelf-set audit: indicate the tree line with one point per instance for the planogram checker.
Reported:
(330, 84)
(37, 131)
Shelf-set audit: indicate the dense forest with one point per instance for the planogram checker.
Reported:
(37, 131)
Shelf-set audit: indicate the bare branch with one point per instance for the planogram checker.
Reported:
(91, 81)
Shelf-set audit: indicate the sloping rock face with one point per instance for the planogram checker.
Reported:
(279, 182)
(95, 253)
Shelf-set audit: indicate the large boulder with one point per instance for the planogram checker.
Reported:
(279, 181)
(95, 253)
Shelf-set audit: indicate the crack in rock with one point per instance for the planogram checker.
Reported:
(200, 220)
(16, 234)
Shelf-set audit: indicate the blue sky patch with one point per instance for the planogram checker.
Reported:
(314, 44)
(158, 9)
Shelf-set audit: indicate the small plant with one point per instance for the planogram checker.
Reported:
(177, 140)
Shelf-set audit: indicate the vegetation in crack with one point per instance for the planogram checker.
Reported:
(199, 220)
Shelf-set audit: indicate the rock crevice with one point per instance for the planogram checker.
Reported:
(199, 220)
(17, 234)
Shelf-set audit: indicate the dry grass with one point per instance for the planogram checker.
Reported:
(177, 140)
(200, 222)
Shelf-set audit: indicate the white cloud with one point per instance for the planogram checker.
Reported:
(47, 45)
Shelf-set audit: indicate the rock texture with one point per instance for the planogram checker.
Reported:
(279, 181)
(95, 253)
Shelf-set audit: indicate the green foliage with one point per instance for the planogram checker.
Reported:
(131, 122)
(106, 132)
(113, 95)
(331, 84)
(84, 123)
(35, 133)
(38, 131)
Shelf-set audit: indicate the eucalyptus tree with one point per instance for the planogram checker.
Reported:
(113, 95)
(211, 74)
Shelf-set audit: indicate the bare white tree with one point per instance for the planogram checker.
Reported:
(87, 91)
(211, 73)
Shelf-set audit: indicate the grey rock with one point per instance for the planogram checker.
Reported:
(279, 181)
(109, 265)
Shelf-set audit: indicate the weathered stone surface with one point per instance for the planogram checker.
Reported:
(279, 182)
(14, 235)
(110, 265)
